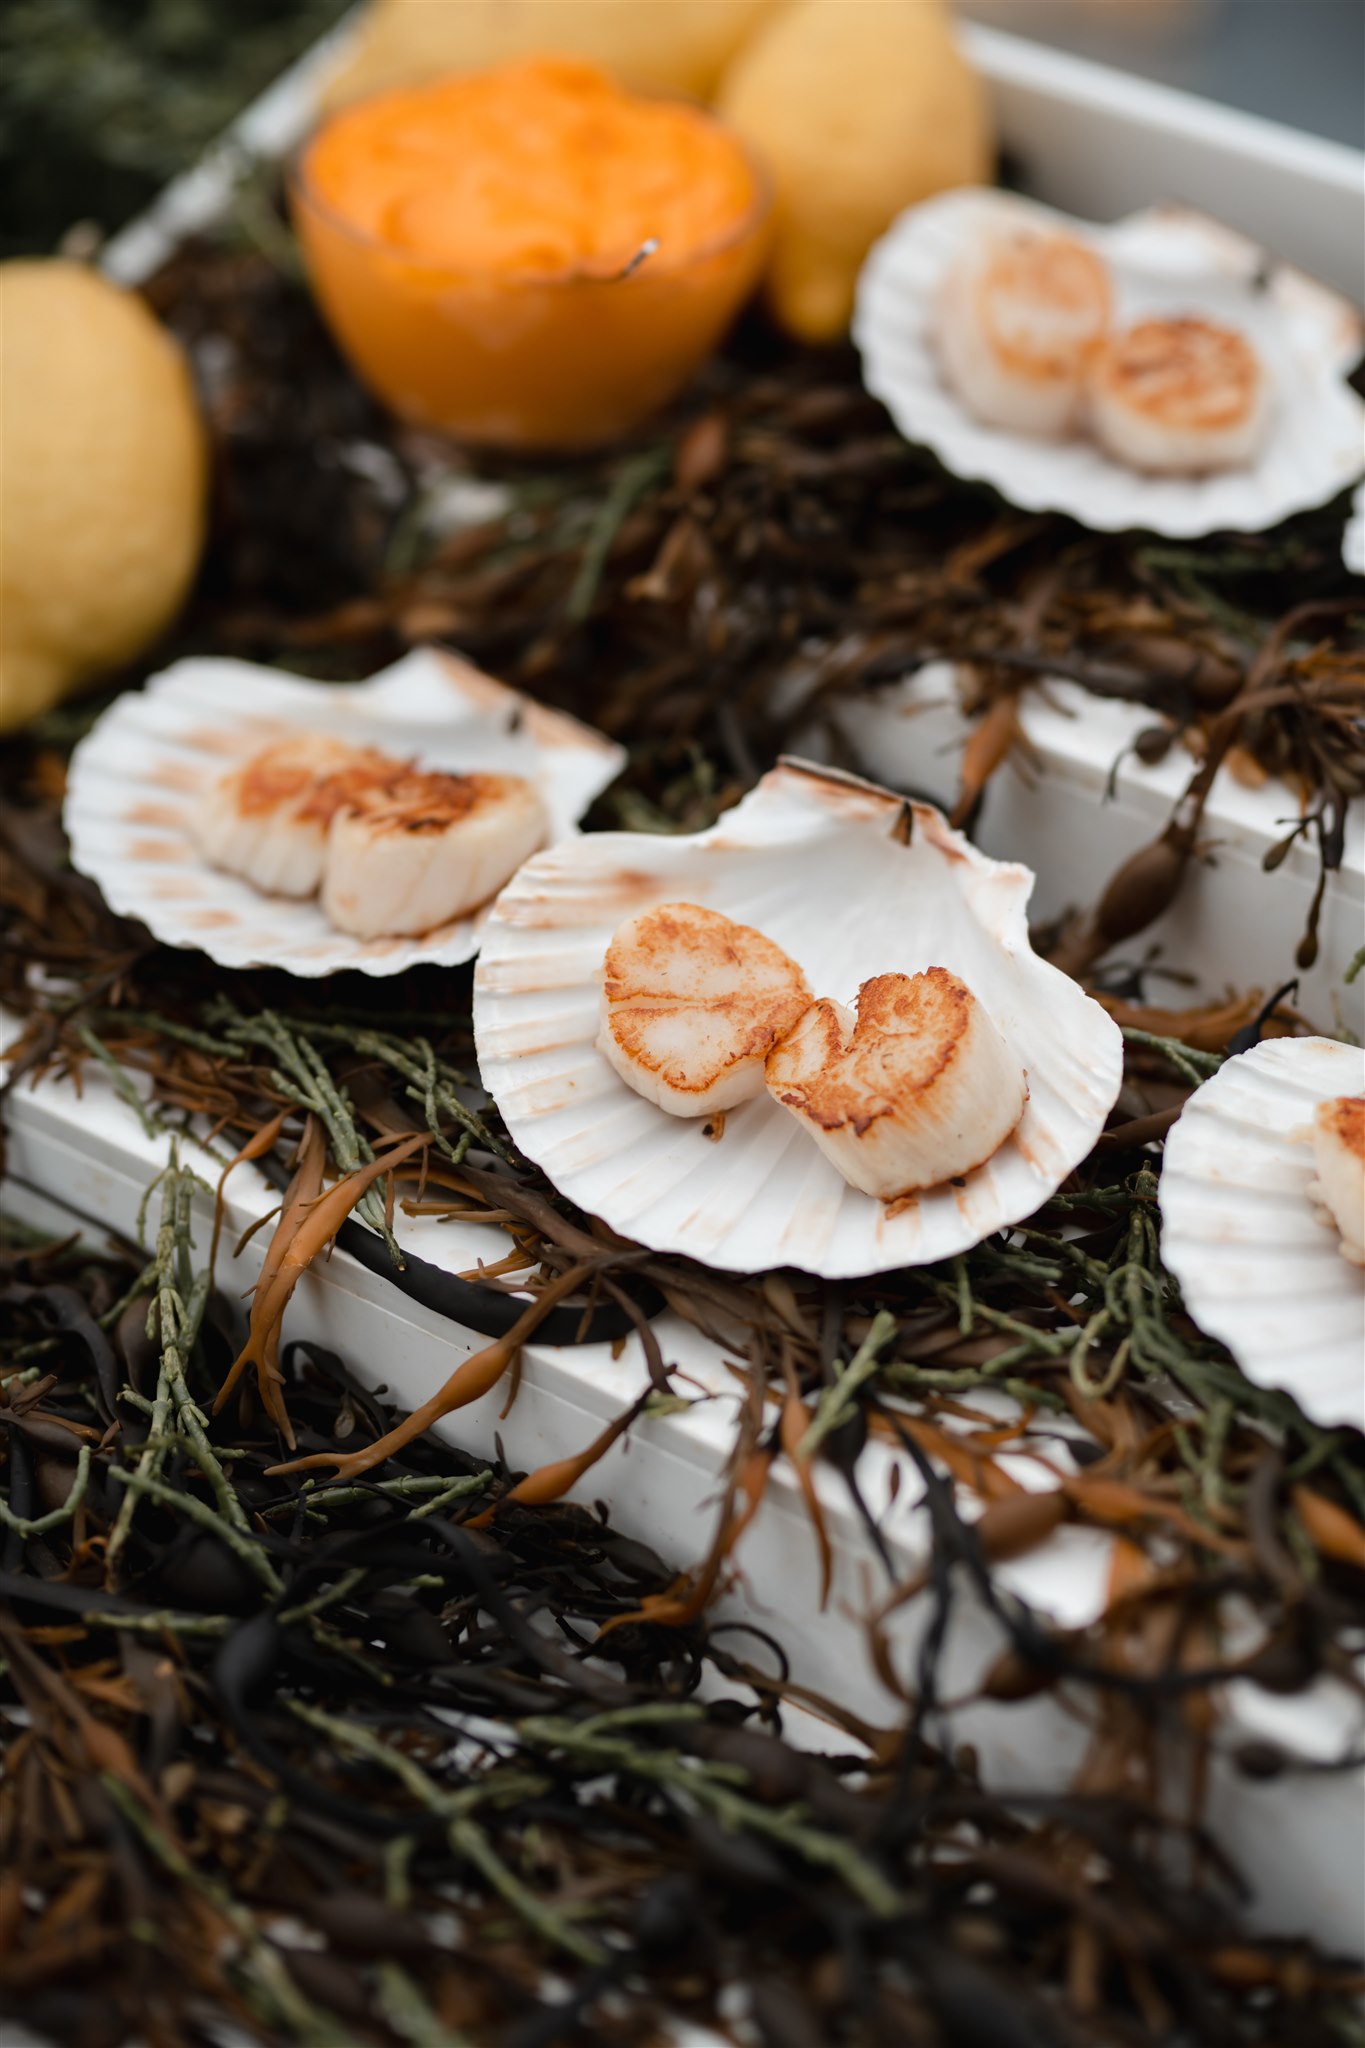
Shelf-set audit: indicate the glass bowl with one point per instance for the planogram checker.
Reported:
(554, 360)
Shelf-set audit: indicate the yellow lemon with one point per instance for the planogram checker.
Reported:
(103, 463)
(860, 108)
(649, 45)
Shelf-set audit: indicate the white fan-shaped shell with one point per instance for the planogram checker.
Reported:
(1353, 539)
(817, 861)
(1163, 262)
(139, 772)
(1256, 1266)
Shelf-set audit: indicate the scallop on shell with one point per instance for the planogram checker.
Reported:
(136, 778)
(1163, 263)
(1258, 1266)
(851, 881)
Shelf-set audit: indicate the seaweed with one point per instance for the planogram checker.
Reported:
(421, 1751)
(343, 1764)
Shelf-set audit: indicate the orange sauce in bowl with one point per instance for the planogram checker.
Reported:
(531, 254)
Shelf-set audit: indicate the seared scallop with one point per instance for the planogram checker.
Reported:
(918, 1088)
(268, 819)
(1179, 395)
(1018, 318)
(424, 849)
(1339, 1157)
(692, 1004)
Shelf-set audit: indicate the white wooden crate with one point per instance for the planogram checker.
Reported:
(1100, 143)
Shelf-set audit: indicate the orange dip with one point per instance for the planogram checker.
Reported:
(529, 253)
(543, 166)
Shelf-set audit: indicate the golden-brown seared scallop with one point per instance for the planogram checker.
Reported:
(414, 853)
(692, 1004)
(920, 1086)
(1179, 395)
(1018, 318)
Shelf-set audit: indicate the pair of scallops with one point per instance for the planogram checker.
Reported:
(390, 849)
(700, 1014)
(1025, 338)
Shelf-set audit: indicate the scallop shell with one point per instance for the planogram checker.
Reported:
(1256, 1266)
(1353, 539)
(821, 863)
(1166, 260)
(135, 777)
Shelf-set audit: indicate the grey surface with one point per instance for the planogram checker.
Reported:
(1297, 61)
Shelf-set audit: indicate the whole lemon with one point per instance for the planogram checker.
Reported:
(103, 464)
(648, 45)
(859, 108)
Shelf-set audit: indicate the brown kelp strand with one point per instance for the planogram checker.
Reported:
(338, 1763)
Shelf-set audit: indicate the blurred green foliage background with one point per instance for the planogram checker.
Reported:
(101, 101)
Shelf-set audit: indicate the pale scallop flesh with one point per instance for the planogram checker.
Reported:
(916, 1089)
(1018, 317)
(692, 1004)
(411, 855)
(1183, 395)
